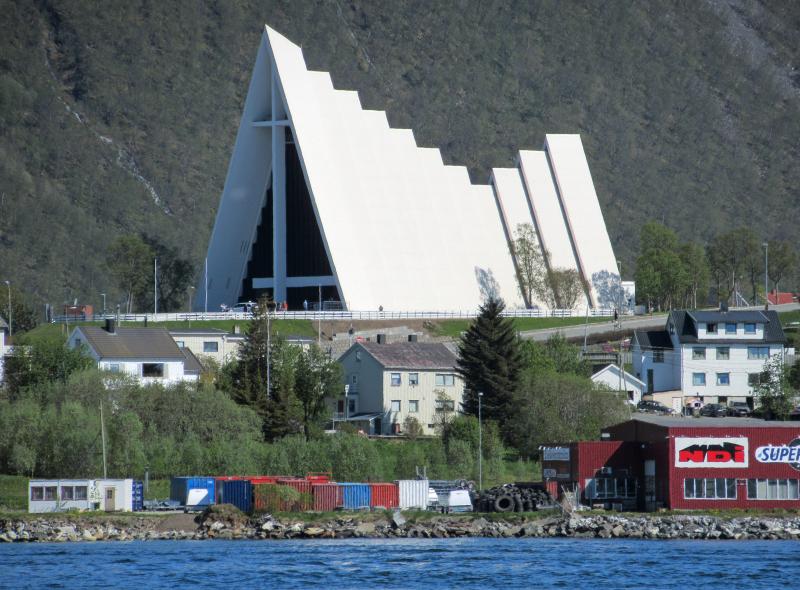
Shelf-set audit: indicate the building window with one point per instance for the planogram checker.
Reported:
(658, 356)
(351, 406)
(612, 487)
(723, 378)
(395, 405)
(749, 328)
(358, 355)
(67, 493)
(413, 378)
(773, 489)
(37, 494)
(758, 352)
(711, 328)
(445, 405)
(354, 379)
(413, 406)
(80, 493)
(709, 488)
(210, 346)
(730, 327)
(698, 353)
(396, 381)
(698, 379)
(155, 370)
(444, 380)
(113, 367)
(723, 353)
(50, 494)
(756, 379)
(180, 343)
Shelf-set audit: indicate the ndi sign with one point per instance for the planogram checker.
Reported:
(711, 452)
(780, 454)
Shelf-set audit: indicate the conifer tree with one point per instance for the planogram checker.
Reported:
(490, 362)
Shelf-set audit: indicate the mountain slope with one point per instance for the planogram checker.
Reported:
(121, 119)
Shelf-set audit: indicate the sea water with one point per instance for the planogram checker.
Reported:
(404, 563)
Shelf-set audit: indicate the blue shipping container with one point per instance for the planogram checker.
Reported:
(192, 491)
(138, 496)
(356, 496)
(239, 493)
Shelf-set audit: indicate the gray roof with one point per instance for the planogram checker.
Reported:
(132, 343)
(686, 325)
(649, 339)
(744, 315)
(411, 355)
(689, 422)
(191, 366)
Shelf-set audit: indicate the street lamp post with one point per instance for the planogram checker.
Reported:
(191, 295)
(480, 444)
(10, 328)
(766, 271)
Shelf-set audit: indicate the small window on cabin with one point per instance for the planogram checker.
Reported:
(50, 493)
(180, 343)
(80, 492)
(154, 370)
(67, 493)
(37, 494)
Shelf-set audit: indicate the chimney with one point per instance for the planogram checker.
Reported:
(412, 337)
(723, 306)
(381, 338)
(111, 326)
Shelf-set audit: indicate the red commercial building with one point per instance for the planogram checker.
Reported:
(682, 463)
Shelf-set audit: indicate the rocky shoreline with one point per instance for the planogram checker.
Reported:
(222, 524)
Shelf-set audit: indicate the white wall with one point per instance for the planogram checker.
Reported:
(227, 347)
(173, 370)
(59, 505)
(611, 379)
(738, 367)
(664, 374)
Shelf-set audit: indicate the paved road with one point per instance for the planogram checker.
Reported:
(628, 323)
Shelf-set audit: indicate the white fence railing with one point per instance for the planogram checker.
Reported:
(337, 315)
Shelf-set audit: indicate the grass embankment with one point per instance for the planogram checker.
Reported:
(284, 327)
(454, 328)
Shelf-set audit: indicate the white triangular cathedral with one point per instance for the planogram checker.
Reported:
(322, 196)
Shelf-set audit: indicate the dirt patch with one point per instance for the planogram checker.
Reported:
(178, 522)
(329, 328)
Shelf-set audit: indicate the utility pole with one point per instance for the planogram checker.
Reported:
(766, 275)
(269, 353)
(206, 285)
(155, 288)
(103, 437)
(319, 318)
(480, 444)
(10, 328)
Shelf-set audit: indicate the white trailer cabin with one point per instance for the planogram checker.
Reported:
(60, 495)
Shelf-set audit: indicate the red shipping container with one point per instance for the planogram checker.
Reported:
(327, 497)
(304, 487)
(319, 477)
(257, 479)
(385, 495)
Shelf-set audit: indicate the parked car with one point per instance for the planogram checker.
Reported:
(652, 407)
(739, 409)
(714, 410)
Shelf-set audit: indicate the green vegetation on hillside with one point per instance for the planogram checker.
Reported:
(120, 118)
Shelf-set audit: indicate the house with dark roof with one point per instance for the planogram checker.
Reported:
(710, 356)
(388, 382)
(149, 355)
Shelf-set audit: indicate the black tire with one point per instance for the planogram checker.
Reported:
(517, 504)
(504, 503)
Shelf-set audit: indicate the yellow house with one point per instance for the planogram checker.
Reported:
(386, 383)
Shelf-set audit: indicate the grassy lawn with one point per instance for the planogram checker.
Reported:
(285, 327)
(789, 316)
(454, 328)
(13, 492)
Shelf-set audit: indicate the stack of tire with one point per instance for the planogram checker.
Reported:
(513, 498)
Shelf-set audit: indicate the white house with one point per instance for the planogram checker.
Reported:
(150, 355)
(388, 382)
(220, 345)
(617, 380)
(60, 495)
(715, 356)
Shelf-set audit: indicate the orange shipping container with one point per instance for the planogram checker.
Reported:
(384, 495)
(303, 487)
